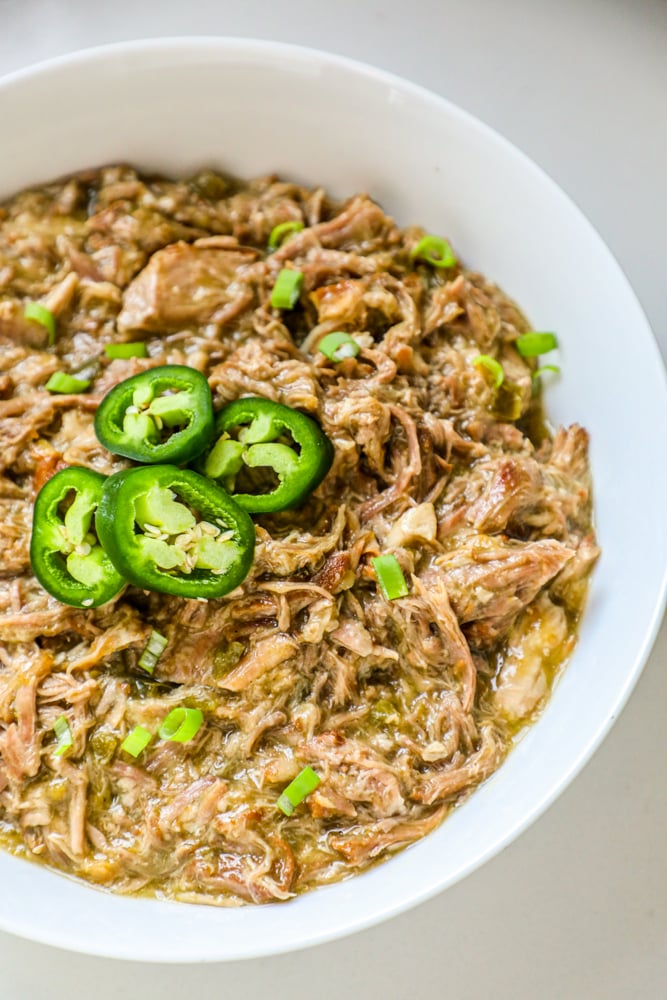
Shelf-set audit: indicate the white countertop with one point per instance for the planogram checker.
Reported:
(576, 909)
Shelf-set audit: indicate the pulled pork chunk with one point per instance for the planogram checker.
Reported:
(540, 632)
(266, 369)
(183, 285)
(490, 581)
(400, 706)
(513, 486)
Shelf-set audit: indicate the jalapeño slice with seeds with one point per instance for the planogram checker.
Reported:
(65, 552)
(256, 433)
(174, 531)
(161, 415)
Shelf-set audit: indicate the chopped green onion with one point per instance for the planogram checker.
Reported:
(338, 346)
(136, 741)
(153, 651)
(287, 289)
(304, 783)
(390, 577)
(282, 232)
(62, 382)
(136, 349)
(434, 250)
(491, 365)
(545, 368)
(40, 314)
(63, 735)
(181, 725)
(530, 345)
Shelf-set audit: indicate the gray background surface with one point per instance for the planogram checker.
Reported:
(577, 907)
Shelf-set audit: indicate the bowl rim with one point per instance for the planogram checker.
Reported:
(60, 937)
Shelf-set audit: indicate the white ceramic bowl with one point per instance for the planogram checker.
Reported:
(255, 107)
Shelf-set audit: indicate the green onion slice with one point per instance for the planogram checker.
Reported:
(40, 314)
(545, 368)
(287, 289)
(181, 725)
(530, 345)
(390, 577)
(434, 250)
(136, 741)
(282, 232)
(62, 382)
(63, 735)
(491, 365)
(304, 783)
(153, 651)
(338, 346)
(137, 349)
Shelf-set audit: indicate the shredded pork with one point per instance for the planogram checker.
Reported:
(402, 706)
